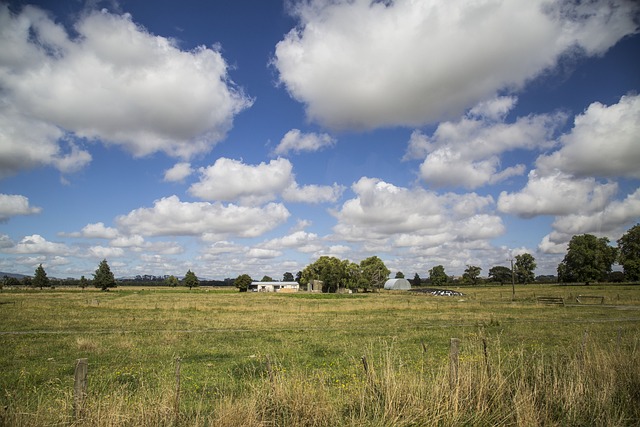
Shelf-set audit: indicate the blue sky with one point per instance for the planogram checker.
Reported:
(232, 137)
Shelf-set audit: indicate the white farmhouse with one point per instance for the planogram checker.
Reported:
(274, 287)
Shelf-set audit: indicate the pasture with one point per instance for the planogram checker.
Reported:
(170, 356)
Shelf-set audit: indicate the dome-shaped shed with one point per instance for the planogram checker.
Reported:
(397, 284)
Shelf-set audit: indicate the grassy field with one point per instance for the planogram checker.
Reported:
(297, 359)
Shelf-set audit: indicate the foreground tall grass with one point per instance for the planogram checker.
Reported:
(594, 382)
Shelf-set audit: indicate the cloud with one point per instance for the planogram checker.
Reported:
(383, 211)
(263, 253)
(14, 204)
(171, 217)
(221, 247)
(364, 65)
(178, 172)
(135, 241)
(95, 231)
(296, 141)
(5, 241)
(313, 193)
(301, 241)
(611, 219)
(447, 168)
(557, 194)
(111, 81)
(36, 244)
(232, 180)
(104, 252)
(603, 142)
(467, 153)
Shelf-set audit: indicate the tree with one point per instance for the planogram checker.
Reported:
(399, 275)
(267, 279)
(298, 276)
(471, 274)
(588, 258)
(40, 280)
(287, 277)
(629, 255)
(416, 280)
(171, 281)
(373, 272)
(352, 275)
(500, 274)
(330, 270)
(191, 280)
(242, 282)
(524, 268)
(437, 275)
(103, 277)
(83, 282)
(11, 281)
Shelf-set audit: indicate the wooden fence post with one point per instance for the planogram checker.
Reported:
(454, 351)
(269, 367)
(80, 387)
(486, 356)
(176, 408)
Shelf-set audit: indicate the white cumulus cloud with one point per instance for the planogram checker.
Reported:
(405, 216)
(15, 204)
(296, 141)
(367, 64)
(36, 244)
(467, 153)
(232, 180)
(178, 172)
(604, 141)
(557, 194)
(95, 231)
(171, 217)
(313, 193)
(104, 252)
(110, 80)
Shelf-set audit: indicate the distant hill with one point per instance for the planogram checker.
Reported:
(16, 275)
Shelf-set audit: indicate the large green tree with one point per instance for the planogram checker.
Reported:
(437, 276)
(40, 280)
(191, 280)
(373, 272)
(524, 267)
(629, 255)
(472, 274)
(500, 274)
(330, 270)
(399, 275)
(242, 282)
(588, 259)
(287, 277)
(103, 277)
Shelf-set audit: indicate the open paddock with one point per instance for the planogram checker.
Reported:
(167, 356)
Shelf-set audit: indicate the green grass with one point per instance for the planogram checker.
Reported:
(295, 359)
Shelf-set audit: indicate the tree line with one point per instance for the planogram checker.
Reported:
(588, 259)
(103, 279)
